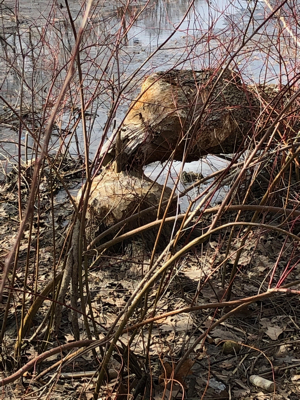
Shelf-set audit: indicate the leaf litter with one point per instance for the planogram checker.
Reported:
(263, 339)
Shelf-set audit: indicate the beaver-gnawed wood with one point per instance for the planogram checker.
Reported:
(115, 196)
(184, 112)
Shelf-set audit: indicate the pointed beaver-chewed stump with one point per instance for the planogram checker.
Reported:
(116, 196)
(171, 118)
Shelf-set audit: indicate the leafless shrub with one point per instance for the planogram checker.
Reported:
(68, 76)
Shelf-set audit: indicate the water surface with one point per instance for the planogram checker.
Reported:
(122, 43)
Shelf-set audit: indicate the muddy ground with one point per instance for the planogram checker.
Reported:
(260, 339)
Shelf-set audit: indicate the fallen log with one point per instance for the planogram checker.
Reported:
(116, 196)
(184, 112)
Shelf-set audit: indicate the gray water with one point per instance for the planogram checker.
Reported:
(36, 42)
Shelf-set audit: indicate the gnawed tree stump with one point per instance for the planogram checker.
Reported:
(170, 118)
(116, 196)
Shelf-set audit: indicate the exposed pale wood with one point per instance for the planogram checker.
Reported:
(169, 116)
(115, 196)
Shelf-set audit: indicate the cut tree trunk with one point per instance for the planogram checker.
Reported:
(184, 113)
(116, 196)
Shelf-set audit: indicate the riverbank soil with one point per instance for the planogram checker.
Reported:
(207, 308)
(228, 345)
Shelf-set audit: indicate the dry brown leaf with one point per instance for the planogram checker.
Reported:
(184, 371)
(179, 323)
(274, 331)
(225, 335)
